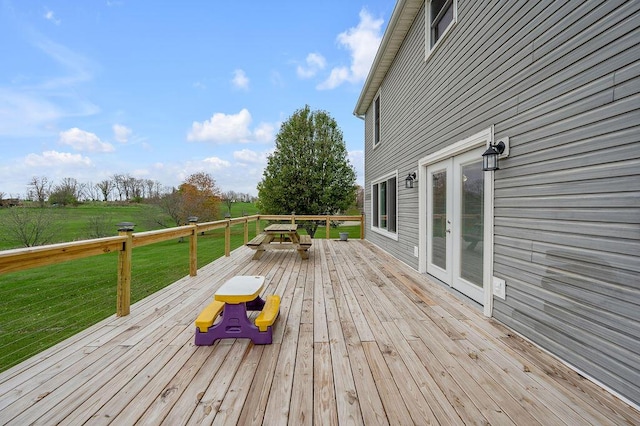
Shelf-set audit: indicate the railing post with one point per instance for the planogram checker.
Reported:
(258, 224)
(328, 227)
(362, 226)
(193, 246)
(293, 218)
(246, 228)
(123, 289)
(227, 236)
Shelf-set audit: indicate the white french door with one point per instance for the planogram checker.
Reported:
(455, 222)
(439, 220)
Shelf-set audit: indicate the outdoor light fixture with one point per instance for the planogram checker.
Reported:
(125, 226)
(408, 182)
(490, 156)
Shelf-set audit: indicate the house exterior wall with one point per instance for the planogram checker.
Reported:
(561, 79)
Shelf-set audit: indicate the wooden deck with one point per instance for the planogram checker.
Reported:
(361, 338)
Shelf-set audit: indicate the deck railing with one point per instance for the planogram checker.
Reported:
(33, 257)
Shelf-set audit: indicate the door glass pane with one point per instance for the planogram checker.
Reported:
(383, 205)
(472, 223)
(439, 220)
(391, 205)
(376, 208)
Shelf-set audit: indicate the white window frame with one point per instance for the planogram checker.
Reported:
(427, 10)
(377, 229)
(376, 125)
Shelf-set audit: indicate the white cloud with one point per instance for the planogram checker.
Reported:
(78, 67)
(314, 63)
(362, 42)
(215, 163)
(222, 128)
(265, 132)
(247, 156)
(22, 114)
(338, 76)
(240, 80)
(121, 133)
(50, 159)
(50, 16)
(84, 141)
(230, 128)
(240, 174)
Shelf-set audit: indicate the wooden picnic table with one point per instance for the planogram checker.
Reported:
(288, 232)
(281, 236)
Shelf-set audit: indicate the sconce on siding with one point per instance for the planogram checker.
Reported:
(409, 180)
(490, 158)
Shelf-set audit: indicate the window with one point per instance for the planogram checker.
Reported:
(441, 14)
(376, 121)
(384, 205)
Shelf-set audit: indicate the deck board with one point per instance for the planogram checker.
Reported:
(361, 339)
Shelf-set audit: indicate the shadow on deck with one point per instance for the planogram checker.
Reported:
(361, 339)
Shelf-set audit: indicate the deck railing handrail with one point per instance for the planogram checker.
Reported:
(14, 260)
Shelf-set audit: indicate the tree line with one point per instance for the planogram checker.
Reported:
(197, 197)
(119, 187)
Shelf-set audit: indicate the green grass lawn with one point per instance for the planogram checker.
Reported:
(75, 223)
(42, 306)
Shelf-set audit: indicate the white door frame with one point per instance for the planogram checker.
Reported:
(483, 138)
(446, 274)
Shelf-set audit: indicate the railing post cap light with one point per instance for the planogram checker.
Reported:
(408, 181)
(125, 226)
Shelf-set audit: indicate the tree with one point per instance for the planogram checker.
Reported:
(29, 227)
(229, 198)
(105, 187)
(171, 204)
(152, 188)
(118, 184)
(69, 191)
(39, 189)
(360, 198)
(309, 172)
(91, 192)
(200, 196)
(197, 196)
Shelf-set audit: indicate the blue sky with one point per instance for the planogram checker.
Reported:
(161, 90)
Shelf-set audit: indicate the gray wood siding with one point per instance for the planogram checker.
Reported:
(562, 80)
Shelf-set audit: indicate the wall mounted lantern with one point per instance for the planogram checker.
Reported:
(491, 155)
(409, 180)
